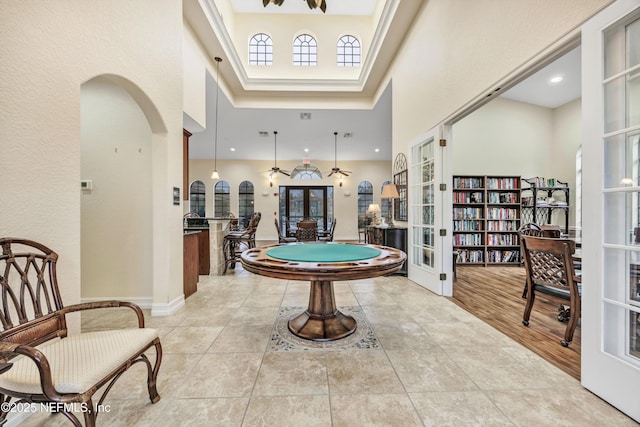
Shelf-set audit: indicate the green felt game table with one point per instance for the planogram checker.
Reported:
(322, 264)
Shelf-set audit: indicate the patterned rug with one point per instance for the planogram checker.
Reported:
(283, 340)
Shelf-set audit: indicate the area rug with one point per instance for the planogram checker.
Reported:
(283, 340)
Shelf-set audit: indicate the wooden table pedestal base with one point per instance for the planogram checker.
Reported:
(322, 321)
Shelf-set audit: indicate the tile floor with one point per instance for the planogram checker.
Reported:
(426, 362)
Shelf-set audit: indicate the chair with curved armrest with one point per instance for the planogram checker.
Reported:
(34, 347)
(281, 237)
(328, 236)
(237, 241)
(549, 267)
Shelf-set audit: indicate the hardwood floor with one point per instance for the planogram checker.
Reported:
(494, 295)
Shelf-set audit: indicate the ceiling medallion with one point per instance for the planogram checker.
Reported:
(311, 3)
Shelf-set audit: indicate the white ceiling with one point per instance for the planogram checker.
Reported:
(370, 129)
(538, 89)
(334, 7)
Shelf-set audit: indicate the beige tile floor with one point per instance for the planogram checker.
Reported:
(435, 365)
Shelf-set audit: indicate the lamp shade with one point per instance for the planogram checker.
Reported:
(389, 191)
(373, 208)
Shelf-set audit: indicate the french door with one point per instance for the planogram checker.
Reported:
(430, 199)
(611, 147)
(315, 202)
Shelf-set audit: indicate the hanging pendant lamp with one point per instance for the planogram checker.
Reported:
(215, 174)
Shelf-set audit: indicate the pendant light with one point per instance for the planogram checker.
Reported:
(215, 174)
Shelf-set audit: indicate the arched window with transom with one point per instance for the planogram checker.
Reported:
(365, 198)
(245, 202)
(221, 199)
(196, 198)
(348, 52)
(260, 50)
(305, 51)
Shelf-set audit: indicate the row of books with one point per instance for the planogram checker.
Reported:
(503, 183)
(470, 239)
(501, 213)
(503, 256)
(503, 225)
(459, 182)
(493, 197)
(468, 213)
(466, 197)
(502, 239)
(467, 225)
(468, 256)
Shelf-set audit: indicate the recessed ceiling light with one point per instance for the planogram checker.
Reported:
(306, 150)
(305, 116)
(263, 133)
(556, 79)
(232, 149)
(377, 150)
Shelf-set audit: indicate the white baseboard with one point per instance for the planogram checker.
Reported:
(157, 309)
(143, 302)
(169, 308)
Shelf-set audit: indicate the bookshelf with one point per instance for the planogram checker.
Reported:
(486, 218)
(543, 198)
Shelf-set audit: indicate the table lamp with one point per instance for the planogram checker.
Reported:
(390, 191)
(373, 209)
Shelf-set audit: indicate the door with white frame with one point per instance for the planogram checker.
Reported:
(611, 195)
(428, 169)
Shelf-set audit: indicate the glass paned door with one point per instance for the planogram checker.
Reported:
(425, 260)
(611, 223)
(298, 203)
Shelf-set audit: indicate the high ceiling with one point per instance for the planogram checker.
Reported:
(366, 115)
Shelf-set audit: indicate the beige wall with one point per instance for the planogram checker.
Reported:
(506, 137)
(116, 232)
(345, 206)
(459, 49)
(48, 50)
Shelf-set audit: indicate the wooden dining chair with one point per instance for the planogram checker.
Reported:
(529, 229)
(549, 267)
(282, 238)
(307, 231)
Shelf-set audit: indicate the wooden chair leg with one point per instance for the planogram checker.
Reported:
(527, 308)
(152, 375)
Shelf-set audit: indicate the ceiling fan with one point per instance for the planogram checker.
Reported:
(275, 169)
(311, 3)
(335, 168)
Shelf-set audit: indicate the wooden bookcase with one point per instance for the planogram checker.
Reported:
(486, 218)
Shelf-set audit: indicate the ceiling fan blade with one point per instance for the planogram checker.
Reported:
(330, 173)
(323, 6)
(265, 2)
(345, 173)
(284, 173)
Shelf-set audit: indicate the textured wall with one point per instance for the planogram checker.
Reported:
(48, 50)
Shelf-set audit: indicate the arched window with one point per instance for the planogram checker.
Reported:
(196, 198)
(386, 205)
(365, 198)
(245, 203)
(221, 196)
(260, 50)
(348, 52)
(305, 50)
(306, 171)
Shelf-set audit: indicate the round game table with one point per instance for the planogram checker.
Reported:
(322, 264)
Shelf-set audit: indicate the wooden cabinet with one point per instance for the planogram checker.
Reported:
(486, 218)
(394, 237)
(190, 263)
